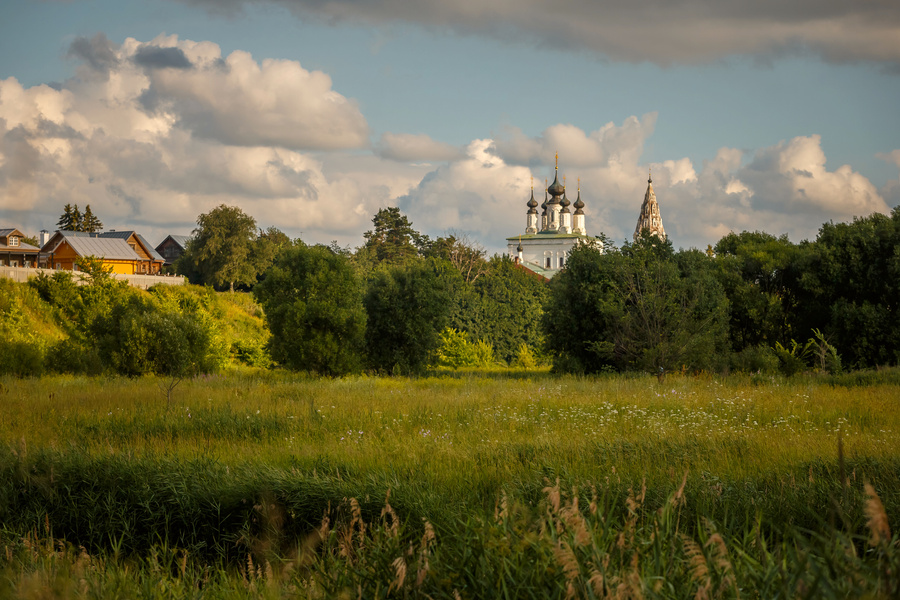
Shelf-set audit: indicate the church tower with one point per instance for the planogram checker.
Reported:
(531, 219)
(578, 217)
(650, 218)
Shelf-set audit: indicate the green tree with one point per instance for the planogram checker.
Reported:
(642, 307)
(849, 288)
(269, 243)
(759, 274)
(463, 253)
(68, 221)
(220, 253)
(312, 299)
(407, 306)
(393, 238)
(509, 308)
(89, 222)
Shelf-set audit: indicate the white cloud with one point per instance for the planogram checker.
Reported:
(129, 140)
(408, 147)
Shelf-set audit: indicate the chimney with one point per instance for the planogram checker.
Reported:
(44, 237)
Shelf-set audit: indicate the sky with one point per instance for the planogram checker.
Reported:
(310, 115)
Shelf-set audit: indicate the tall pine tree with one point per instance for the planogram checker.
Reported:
(89, 222)
(67, 219)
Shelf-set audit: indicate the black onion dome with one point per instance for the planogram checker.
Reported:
(519, 247)
(565, 200)
(579, 204)
(532, 204)
(556, 188)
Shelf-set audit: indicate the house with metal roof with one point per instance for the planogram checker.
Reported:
(14, 252)
(124, 254)
(172, 248)
(141, 246)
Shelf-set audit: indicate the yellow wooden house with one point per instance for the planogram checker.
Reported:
(124, 254)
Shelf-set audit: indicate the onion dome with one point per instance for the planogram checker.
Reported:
(556, 188)
(579, 203)
(532, 204)
(519, 248)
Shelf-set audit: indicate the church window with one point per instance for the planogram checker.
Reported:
(548, 262)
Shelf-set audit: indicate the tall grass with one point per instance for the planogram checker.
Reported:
(493, 463)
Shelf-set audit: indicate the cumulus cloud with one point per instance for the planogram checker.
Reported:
(784, 188)
(153, 134)
(697, 31)
(237, 100)
(408, 147)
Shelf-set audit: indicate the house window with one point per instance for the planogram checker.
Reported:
(58, 266)
(13, 240)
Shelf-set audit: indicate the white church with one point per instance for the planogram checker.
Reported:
(551, 235)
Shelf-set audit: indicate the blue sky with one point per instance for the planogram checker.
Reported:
(752, 115)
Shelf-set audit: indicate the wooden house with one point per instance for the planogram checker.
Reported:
(172, 248)
(126, 253)
(154, 262)
(16, 253)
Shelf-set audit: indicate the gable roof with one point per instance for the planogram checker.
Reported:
(124, 235)
(22, 247)
(181, 240)
(85, 245)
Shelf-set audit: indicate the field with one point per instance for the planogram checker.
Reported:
(513, 484)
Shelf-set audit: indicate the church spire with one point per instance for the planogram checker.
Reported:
(650, 217)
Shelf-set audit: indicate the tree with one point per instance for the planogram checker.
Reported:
(463, 253)
(509, 308)
(393, 238)
(269, 243)
(849, 288)
(68, 221)
(407, 306)
(221, 250)
(89, 222)
(312, 299)
(642, 307)
(759, 274)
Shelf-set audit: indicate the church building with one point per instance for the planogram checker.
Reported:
(550, 235)
(650, 219)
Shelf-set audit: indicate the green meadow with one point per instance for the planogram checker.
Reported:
(505, 484)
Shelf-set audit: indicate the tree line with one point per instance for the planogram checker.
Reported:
(403, 301)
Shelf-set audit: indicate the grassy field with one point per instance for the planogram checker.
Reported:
(472, 485)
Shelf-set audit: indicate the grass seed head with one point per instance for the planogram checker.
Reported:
(877, 520)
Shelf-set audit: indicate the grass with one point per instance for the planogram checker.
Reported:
(247, 464)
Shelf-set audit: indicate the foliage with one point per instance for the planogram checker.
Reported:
(220, 253)
(642, 307)
(759, 275)
(407, 306)
(73, 220)
(392, 239)
(462, 252)
(313, 304)
(509, 308)
(139, 336)
(457, 351)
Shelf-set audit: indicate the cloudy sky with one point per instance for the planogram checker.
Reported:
(312, 114)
